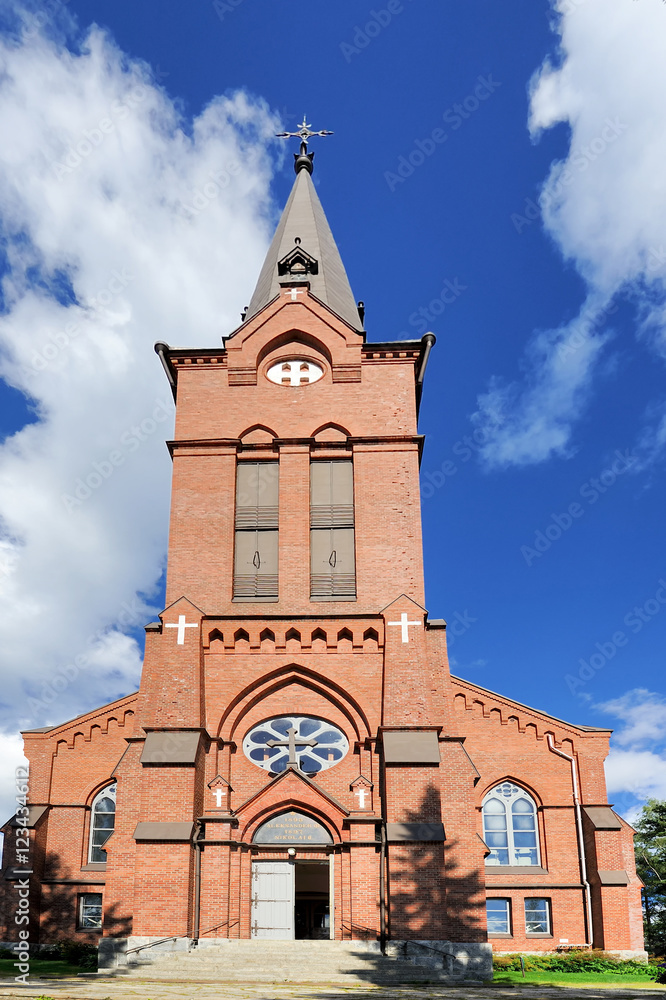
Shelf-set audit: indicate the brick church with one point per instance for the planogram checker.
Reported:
(298, 761)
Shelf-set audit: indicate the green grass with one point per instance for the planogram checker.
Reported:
(39, 967)
(575, 979)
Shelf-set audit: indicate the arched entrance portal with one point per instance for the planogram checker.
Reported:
(292, 899)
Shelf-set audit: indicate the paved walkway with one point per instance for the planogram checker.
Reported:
(119, 989)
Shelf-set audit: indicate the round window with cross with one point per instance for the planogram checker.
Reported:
(308, 744)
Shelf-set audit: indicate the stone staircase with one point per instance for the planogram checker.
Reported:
(340, 962)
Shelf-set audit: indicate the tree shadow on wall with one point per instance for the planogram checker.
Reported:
(432, 900)
(60, 902)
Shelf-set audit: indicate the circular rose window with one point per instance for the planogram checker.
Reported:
(310, 744)
(295, 371)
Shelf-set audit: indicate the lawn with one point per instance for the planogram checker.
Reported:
(576, 979)
(40, 967)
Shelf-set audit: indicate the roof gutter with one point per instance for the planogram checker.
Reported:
(162, 351)
(427, 342)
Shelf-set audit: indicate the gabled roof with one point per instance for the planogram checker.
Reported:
(304, 220)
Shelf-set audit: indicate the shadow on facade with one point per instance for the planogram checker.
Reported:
(59, 905)
(431, 902)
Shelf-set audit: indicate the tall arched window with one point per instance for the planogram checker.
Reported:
(102, 822)
(509, 826)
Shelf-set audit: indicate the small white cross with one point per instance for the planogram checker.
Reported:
(404, 624)
(181, 626)
(294, 293)
(218, 793)
(361, 792)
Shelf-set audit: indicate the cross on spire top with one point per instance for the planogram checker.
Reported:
(303, 159)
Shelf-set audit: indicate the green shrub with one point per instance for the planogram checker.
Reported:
(575, 961)
(78, 953)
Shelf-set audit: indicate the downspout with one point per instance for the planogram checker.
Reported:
(198, 836)
(579, 834)
(162, 351)
(427, 341)
(382, 888)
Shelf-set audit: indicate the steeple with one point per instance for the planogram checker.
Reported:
(303, 247)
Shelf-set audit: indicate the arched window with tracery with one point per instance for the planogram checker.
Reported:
(102, 823)
(509, 826)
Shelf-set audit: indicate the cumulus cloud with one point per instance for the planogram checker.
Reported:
(604, 206)
(637, 761)
(122, 223)
(11, 757)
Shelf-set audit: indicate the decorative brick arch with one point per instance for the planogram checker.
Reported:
(257, 817)
(538, 802)
(282, 677)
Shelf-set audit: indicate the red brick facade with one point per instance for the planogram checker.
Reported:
(374, 667)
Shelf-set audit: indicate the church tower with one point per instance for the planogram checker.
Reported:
(293, 697)
(298, 762)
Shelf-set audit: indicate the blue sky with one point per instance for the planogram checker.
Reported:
(496, 176)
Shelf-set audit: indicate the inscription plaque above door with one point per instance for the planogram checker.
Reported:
(292, 828)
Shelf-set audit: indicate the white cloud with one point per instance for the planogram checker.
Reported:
(637, 761)
(124, 224)
(11, 757)
(605, 207)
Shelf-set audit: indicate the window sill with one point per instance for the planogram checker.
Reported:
(514, 869)
(498, 935)
(319, 600)
(538, 934)
(255, 600)
(94, 866)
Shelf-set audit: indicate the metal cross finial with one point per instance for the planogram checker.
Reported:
(303, 159)
(304, 133)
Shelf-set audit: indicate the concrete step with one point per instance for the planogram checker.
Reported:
(348, 962)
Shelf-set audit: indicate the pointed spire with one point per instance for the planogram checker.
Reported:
(303, 245)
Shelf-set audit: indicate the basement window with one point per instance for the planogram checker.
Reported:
(90, 911)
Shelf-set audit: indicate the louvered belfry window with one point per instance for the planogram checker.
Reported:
(256, 556)
(332, 562)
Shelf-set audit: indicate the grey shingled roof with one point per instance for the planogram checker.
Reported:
(304, 217)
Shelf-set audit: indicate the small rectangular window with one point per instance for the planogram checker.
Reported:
(90, 911)
(537, 916)
(332, 555)
(498, 913)
(256, 550)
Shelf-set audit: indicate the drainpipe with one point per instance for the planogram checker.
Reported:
(579, 834)
(162, 351)
(427, 340)
(382, 889)
(198, 837)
